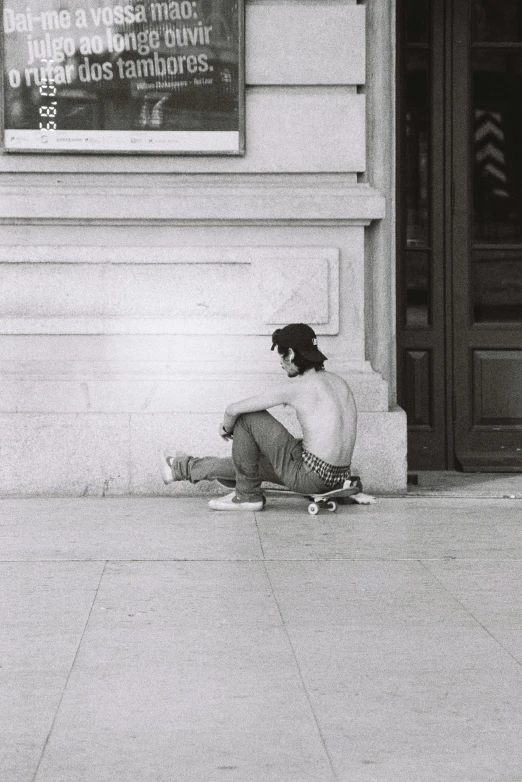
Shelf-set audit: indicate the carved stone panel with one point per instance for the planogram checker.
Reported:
(164, 290)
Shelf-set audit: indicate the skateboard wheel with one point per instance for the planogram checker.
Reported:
(313, 509)
(332, 506)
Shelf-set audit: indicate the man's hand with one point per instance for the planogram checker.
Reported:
(225, 433)
(227, 427)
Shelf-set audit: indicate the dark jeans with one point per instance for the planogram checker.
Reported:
(262, 450)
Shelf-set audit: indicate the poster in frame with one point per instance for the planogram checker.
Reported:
(123, 76)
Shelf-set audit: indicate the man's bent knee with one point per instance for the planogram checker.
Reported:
(246, 420)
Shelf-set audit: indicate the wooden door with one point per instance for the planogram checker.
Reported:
(460, 223)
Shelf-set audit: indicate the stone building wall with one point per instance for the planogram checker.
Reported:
(138, 294)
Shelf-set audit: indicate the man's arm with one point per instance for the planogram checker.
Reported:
(280, 395)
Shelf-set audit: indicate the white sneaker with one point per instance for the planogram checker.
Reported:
(231, 502)
(171, 467)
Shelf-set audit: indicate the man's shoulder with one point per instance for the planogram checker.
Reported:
(284, 391)
(333, 378)
(335, 386)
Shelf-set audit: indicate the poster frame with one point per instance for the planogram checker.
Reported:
(240, 152)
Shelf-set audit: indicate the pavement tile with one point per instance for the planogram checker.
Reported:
(185, 672)
(417, 528)
(405, 684)
(110, 528)
(491, 592)
(43, 611)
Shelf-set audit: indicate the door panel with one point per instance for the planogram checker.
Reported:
(421, 322)
(418, 377)
(497, 385)
(487, 236)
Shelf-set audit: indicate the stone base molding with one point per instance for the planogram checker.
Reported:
(116, 454)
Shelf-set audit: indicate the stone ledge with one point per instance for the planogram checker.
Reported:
(39, 198)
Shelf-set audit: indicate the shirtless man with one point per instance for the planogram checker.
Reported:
(264, 450)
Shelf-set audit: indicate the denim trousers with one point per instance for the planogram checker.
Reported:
(262, 450)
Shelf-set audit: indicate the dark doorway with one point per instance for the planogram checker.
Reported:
(460, 232)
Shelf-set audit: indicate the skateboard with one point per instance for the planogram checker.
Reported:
(325, 501)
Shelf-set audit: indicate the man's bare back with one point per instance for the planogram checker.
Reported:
(327, 414)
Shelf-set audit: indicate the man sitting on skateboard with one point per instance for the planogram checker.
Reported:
(264, 450)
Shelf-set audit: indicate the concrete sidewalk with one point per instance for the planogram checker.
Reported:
(153, 640)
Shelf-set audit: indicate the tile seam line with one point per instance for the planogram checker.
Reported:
(261, 559)
(48, 737)
(259, 538)
(303, 683)
(469, 613)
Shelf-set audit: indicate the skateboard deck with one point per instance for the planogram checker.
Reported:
(324, 500)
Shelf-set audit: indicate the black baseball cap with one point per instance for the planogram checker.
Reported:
(300, 338)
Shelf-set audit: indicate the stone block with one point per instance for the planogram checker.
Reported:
(307, 45)
(380, 451)
(289, 129)
(153, 390)
(64, 455)
(43, 395)
(306, 129)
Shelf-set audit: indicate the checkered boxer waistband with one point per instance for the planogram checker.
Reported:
(330, 474)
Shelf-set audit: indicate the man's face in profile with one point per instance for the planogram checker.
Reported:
(288, 365)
